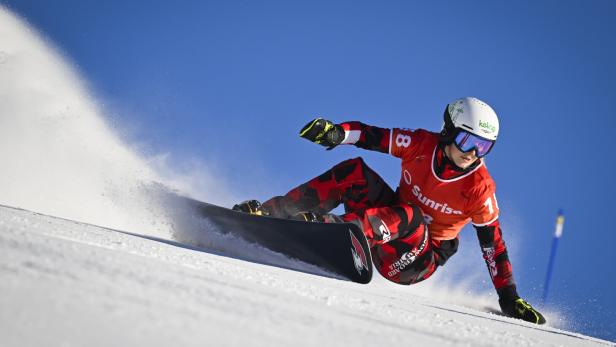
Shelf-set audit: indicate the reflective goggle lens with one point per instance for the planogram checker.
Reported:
(466, 141)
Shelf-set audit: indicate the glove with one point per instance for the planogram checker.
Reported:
(323, 132)
(520, 309)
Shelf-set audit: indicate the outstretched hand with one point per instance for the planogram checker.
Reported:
(323, 132)
(521, 309)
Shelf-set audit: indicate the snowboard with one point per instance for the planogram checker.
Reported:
(340, 248)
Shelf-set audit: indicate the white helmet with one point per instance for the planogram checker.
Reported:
(472, 115)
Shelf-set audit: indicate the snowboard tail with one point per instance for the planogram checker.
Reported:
(340, 248)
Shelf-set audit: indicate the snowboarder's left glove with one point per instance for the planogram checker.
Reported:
(521, 309)
(323, 132)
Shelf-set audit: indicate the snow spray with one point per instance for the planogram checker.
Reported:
(59, 156)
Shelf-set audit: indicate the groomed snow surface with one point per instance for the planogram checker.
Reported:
(64, 283)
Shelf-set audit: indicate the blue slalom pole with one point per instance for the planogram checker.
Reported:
(560, 221)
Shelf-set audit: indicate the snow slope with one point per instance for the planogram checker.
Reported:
(66, 283)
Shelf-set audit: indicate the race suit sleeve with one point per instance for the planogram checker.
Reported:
(485, 220)
(395, 141)
(366, 136)
(496, 258)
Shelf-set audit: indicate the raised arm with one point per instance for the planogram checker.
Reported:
(330, 135)
(366, 136)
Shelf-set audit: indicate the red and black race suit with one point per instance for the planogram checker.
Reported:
(405, 248)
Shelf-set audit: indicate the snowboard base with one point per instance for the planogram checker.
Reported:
(339, 248)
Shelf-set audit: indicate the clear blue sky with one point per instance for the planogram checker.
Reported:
(233, 81)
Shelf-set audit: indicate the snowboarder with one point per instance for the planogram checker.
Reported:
(444, 184)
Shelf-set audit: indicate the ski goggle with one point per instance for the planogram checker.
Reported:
(466, 142)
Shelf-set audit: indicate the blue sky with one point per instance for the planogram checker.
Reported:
(232, 82)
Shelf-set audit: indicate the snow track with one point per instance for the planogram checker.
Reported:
(66, 283)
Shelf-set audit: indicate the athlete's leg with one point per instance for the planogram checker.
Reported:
(350, 182)
(387, 223)
(401, 248)
(412, 259)
(399, 240)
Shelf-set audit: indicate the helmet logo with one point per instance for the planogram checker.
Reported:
(487, 127)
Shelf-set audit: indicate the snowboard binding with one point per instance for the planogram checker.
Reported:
(254, 207)
(251, 207)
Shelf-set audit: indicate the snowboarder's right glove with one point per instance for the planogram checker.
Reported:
(323, 132)
(520, 309)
